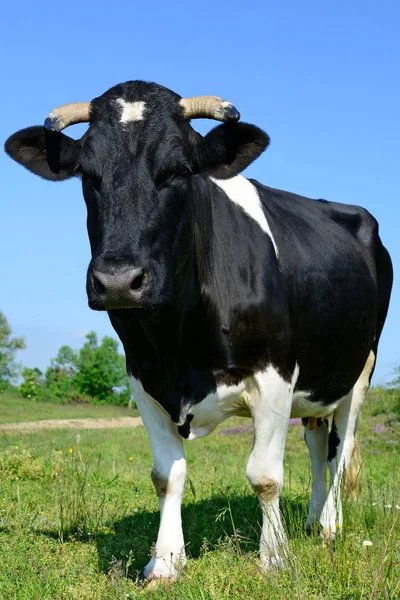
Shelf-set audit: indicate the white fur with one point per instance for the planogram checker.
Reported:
(303, 407)
(216, 407)
(170, 465)
(317, 443)
(267, 398)
(270, 403)
(131, 111)
(345, 418)
(244, 194)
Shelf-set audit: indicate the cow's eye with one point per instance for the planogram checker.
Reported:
(167, 178)
(183, 171)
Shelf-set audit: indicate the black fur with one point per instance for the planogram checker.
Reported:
(219, 305)
(333, 442)
(229, 149)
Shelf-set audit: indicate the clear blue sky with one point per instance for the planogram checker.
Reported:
(322, 78)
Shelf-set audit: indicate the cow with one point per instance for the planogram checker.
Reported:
(229, 297)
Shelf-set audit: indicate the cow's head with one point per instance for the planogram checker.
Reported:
(138, 162)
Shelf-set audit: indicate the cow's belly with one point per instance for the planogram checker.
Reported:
(230, 401)
(303, 407)
(226, 402)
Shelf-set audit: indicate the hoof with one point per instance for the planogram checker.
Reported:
(160, 572)
(152, 582)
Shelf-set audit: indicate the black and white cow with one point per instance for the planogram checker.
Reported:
(230, 298)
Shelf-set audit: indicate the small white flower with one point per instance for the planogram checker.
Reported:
(388, 506)
(397, 506)
(367, 543)
(374, 503)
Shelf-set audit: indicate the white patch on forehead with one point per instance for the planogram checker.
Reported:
(244, 194)
(131, 111)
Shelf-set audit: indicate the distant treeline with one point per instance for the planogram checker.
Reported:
(95, 373)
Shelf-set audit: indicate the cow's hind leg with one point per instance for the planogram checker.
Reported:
(270, 405)
(341, 446)
(316, 437)
(168, 475)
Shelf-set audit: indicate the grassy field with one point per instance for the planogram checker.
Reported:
(14, 408)
(78, 516)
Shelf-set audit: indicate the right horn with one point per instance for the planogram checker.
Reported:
(209, 107)
(68, 114)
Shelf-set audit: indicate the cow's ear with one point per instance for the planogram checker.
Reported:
(50, 154)
(228, 149)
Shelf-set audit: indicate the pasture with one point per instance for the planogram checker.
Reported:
(78, 514)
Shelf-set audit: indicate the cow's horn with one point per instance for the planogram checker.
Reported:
(68, 114)
(209, 107)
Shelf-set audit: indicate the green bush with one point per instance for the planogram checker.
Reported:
(101, 371)
(32, 386)
(95, 373)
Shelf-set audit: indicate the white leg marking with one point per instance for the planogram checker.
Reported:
(270, 403)
(244, 194)
(345, 419)
(131, 111)
(317, 443)
(168, 475)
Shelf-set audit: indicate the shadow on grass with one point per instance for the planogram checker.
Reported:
(207, 525)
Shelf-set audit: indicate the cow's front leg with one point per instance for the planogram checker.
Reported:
(168, 475)
(270, 405)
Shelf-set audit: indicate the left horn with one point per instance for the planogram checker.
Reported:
(209, 107)
(68, 114)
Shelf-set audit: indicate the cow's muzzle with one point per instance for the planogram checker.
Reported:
(116, 287)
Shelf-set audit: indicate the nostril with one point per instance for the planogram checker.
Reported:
(98, 286)
(139, 280)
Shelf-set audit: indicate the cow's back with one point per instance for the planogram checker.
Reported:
(337, 277)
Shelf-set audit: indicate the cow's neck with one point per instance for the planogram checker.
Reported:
(168, 351)
(179, 355)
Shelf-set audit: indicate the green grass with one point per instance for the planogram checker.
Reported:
(14, 408)
(80, 525)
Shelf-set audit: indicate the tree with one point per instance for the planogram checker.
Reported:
(101, 371)
(396, 381)
(60, 384)
(32, 386)
(95, 373)
(8, 347)
(66, 360)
